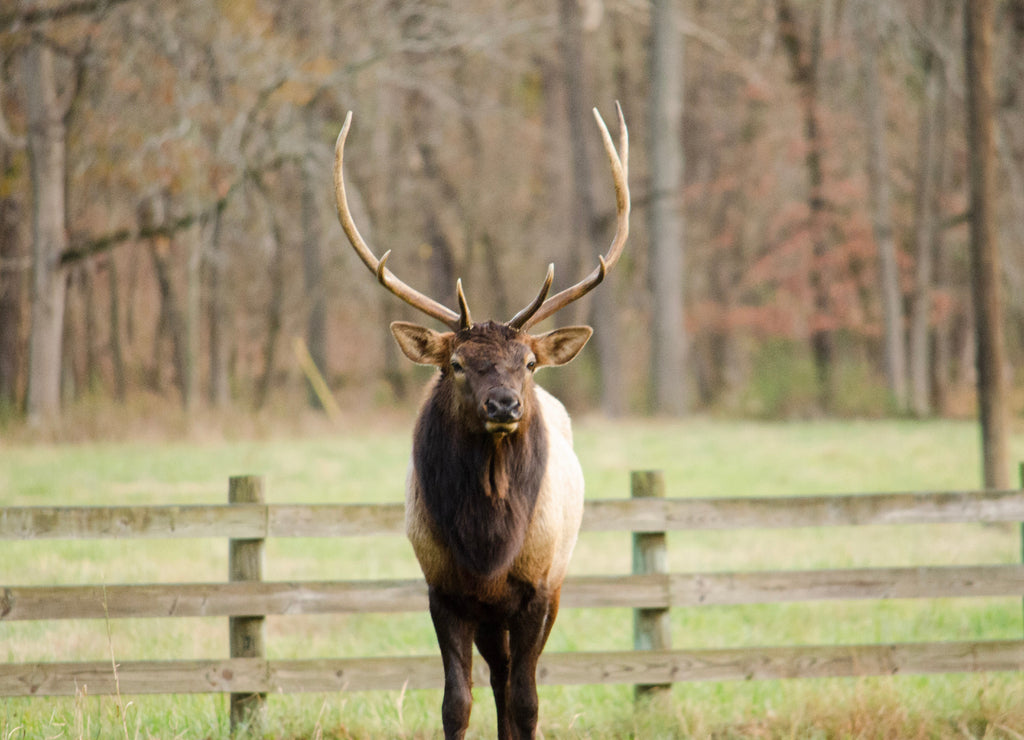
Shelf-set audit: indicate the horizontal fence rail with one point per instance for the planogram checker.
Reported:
(630, 591)
(246, 521)
(252, 675)
(649, 591)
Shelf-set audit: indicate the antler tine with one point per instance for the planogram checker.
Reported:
(413, 297)
(619, 161)
(517, 321)
(465, 321)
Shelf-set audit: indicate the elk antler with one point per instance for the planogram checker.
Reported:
(540, 308)
(455, 321)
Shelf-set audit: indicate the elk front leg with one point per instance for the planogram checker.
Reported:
(492, 642)
(528, 633)
(455, 638)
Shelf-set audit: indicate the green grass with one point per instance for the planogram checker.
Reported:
(700, 458)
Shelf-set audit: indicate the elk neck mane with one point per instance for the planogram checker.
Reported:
(480, 490)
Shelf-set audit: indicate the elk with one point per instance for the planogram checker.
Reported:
(494, 493)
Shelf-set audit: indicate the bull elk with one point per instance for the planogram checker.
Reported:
(494, 495)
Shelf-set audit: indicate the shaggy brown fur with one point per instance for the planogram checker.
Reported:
(479, 488)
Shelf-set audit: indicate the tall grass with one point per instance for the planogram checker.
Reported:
(700, 458)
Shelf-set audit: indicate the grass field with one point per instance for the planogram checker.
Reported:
(700, 458)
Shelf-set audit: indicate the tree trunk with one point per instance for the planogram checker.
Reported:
(669, 391)
(1010, 150)
(313, 271)
(70, 376)
(171, 325)
(497, 279)
(219, 391)
(12, 281)
(985, 283)
(804, 57)
(943, 350)
(275, 308)
(46, 148)
(385, 212)
(926, 232)
(881, 211)
(583, 222)
(116, 348)
(93, 375)
(191, 318)
(581, 210)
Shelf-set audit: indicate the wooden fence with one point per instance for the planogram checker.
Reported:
(650, 590)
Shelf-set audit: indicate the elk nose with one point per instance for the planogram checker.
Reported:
(503, 405)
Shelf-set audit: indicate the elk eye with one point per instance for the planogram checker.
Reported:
(531, 364)
(456, 366)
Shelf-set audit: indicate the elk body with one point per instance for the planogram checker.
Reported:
(494, 496)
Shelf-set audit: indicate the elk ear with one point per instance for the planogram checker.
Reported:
(561, 345)
(422, 345)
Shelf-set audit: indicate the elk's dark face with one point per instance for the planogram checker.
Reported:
(490, 367)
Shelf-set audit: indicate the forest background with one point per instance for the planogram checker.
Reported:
(800, 177)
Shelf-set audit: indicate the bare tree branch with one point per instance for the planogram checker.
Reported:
(82, 249)
(743, 66)
(18, 19)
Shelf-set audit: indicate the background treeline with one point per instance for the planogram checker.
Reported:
(799, 175)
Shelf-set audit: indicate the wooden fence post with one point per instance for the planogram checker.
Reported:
(651, 627)
(245, 563)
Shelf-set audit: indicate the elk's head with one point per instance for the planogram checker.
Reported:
(489, 366)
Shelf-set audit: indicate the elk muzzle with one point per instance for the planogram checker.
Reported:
(502, 411)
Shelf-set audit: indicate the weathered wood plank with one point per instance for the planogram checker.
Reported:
(336, 520)
(651, 591)
(100, 522)
(766, 587)
(625, 515)
(365, 674)
(813, 661)
(211, 599)
(656, 666)
(135, 677)
(237, 521)
(935, 582)
(653, 515)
